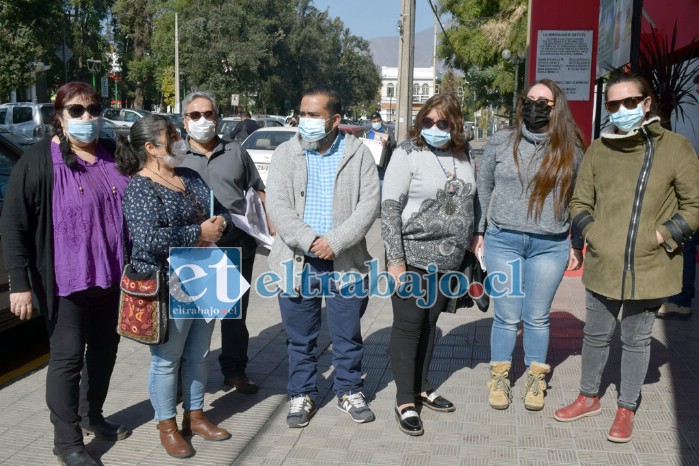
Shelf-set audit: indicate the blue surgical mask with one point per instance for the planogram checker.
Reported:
(312, 129)
(84, 130)
(376, 126)
(435, 137)
(626, 119)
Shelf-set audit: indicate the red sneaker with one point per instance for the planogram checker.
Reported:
(622, 428)
(583, 406)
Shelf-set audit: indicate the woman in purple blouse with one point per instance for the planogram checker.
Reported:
(62, 233)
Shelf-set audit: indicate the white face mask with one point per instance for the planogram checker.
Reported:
(376, 125)
(178, 148)
(202, 130)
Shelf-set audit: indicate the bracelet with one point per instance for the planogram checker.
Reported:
(395, 262)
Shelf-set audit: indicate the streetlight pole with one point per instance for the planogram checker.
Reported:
(515, 60)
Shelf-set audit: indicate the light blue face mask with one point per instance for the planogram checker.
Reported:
(626, 119)
(435, 137)
(376, 126)
(312, 129)
(84, 130)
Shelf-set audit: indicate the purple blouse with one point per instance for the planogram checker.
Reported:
(87, 222)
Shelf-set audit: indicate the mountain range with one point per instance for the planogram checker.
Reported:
(385, 50)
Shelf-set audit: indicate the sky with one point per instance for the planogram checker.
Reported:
(375, 18)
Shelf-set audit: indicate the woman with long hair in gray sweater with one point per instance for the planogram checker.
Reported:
(525, 182)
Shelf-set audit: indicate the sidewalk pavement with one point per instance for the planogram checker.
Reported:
(666, 430)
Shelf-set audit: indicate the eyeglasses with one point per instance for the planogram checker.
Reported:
(630, 103)
(209, 115)
(443, 125)
(540, 104)
(77, 110)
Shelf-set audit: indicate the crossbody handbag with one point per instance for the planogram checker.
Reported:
(143, 304)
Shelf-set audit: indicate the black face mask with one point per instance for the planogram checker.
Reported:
(534, 117)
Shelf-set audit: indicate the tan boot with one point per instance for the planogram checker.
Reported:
(172, 440)
(499, 385)
(535, 386)
(195, 422)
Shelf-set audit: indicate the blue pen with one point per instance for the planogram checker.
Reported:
(211, 202)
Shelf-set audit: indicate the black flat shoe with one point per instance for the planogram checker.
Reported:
(409, 421)
(77, 458)
(436, 402)
(105, 430)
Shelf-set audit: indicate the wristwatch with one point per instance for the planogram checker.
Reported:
(225, 224)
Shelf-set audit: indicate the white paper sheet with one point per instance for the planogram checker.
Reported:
(254, 222)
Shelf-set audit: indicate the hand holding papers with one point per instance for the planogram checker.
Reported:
(254, 222)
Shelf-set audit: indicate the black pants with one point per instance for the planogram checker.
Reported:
(234, 332)
(412, 343)
(74, 390)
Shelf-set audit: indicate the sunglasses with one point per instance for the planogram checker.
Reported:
(197, 115)
(630, 103)
(540, 103)
(442, 125)
(77, 110)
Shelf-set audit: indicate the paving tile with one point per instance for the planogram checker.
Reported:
(666, 428)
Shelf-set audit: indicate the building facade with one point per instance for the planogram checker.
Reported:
(425, 85)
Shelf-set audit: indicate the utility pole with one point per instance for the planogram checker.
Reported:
(177, 68)
(406, 31)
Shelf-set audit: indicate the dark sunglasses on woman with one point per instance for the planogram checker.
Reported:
(630, 103)
(442, 125)
(540, 104)
(77, 110)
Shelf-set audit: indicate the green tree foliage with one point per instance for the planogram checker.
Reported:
(480, 30)
(30, 32)
(17, 49)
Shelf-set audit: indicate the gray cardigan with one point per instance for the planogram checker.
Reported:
(355, 207)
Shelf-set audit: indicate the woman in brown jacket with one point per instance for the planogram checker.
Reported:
(636, 201)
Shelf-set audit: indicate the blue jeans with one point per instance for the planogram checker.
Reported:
(534, 267)
(689, 273)
(302, 317)
(188, 344)
(636, 332)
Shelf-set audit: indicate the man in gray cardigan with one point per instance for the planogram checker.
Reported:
(323, 196)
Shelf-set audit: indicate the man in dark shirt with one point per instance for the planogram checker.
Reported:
(228, 169)
(245, 127)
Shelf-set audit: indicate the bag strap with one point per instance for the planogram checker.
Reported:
(125, 250)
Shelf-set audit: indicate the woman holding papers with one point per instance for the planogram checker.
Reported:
(525, 182)
(166, 207)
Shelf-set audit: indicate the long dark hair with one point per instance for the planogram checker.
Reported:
(447, 105)
(65, 93)
(130, 153)
(558, 165)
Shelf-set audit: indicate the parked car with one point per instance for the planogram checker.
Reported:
(17, 139)
(177, 120)
(227, 125)
(111, 130)
(123, 116)
(10, 152)
(278, 118)
(262, 143)
(31, 120)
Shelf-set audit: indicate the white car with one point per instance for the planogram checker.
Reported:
(262, 143)
(125, 117)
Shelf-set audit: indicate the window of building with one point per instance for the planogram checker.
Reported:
(425, 89)
(390, 90)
